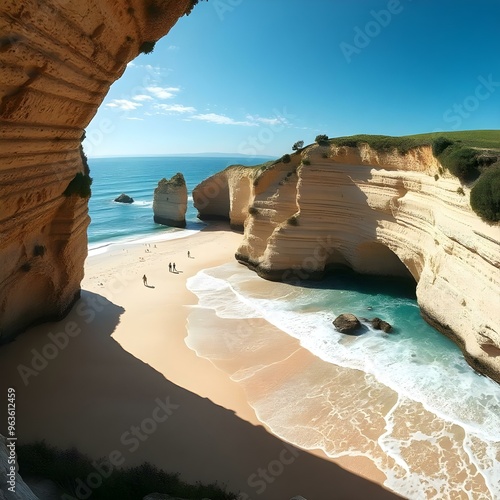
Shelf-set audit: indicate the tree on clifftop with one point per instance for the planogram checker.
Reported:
(298, 145)
(322, 139)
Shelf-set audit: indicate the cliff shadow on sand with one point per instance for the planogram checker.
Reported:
(98, 397)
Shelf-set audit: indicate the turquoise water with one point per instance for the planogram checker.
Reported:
(138, 177)
(407, 400)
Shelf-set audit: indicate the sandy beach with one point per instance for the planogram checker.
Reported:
(116, 377)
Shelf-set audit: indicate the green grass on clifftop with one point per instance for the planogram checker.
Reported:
(470, 155)
(482, 139)
(467, 154)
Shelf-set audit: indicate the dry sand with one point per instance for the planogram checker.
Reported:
(123, 381)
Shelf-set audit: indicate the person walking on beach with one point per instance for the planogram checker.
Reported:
(169, 267)
(173, 268)
(145, 280)
(189, 254)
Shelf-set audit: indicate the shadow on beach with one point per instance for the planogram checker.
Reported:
(93, 394)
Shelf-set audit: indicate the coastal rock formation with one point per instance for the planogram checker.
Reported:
(381, 213)
(380, 324)
(57, 62)
(226, 195)
(346, 323)
(170, 202)
(124, 198)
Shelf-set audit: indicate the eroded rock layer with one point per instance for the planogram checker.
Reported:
(378, 213)
(226, 195)
(58, 59)
(170, 202)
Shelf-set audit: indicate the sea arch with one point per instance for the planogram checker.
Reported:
(375, 257)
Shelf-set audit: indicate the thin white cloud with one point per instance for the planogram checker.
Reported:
(173, 47)
(142, 97)
(175, 108)
(134, 118)
(123, 104)
(275, 120)
(222, 120)
(162, 92)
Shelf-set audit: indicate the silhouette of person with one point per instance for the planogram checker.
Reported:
(173, 268)
(189, 254)
(169, 267)
(145, 280)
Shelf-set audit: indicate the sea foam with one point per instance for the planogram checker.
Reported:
(418, 381)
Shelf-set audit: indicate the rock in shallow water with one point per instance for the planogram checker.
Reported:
(380, 324)
(346, 323)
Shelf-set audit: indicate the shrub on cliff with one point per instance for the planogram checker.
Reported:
(439, 145)
(191, 7)
(147, 47)
(80, 186)
(286, 158)
(73, 472)
(298, 145)
(461, 162)
(322, 139)
(485, 195)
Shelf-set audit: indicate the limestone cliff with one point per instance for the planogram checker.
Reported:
(226, 195)
(170, 202)
(378, 213)
(57, 62)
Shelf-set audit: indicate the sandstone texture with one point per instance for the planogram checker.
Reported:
(377, 213)
(57, 62)
(170, 201)
(226, 195)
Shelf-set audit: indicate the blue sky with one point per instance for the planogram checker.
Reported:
(254, 76)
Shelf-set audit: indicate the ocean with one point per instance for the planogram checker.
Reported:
(138, 177)
(407, 400)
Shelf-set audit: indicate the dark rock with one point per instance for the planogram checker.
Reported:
(346, 323)
(124, 198)
(380, 324)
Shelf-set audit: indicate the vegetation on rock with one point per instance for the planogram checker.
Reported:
(485, 195)
(147, 47)
(80, 186)
(191, 7)
(66, 467)
(176, 181)
(322, 139)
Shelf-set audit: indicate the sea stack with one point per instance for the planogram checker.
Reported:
(170, 201)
